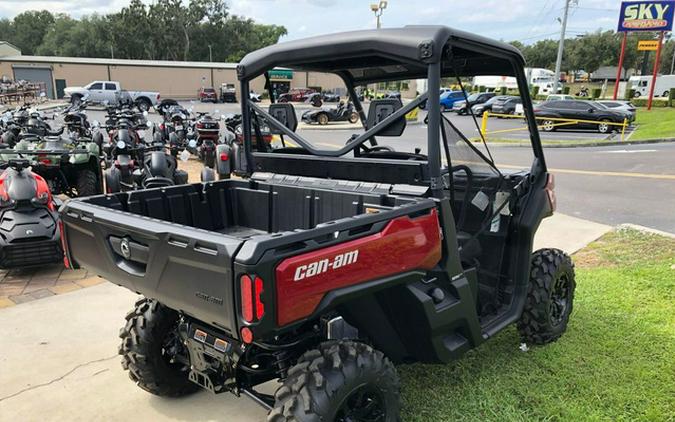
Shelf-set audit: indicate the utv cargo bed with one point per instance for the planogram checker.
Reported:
(221, 229)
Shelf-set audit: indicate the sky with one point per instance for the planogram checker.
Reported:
(523, 20)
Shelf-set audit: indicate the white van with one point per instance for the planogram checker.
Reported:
(641, 85)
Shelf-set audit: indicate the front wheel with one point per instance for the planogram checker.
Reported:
(604, 127)
(353, 118)
(322, 119)
(550, 297)
(144, 105)
(339, 381)
(152, 351)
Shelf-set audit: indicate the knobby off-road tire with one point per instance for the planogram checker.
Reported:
(550, 297)
(338, 377)
(144, 338)
(87, 183)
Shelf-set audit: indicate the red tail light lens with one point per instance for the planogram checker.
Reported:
(550, 191)
(224, 156)
(252, 307)
(200, 125)
(246, 335)
(246, 298)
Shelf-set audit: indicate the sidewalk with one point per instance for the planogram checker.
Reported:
(59, 355)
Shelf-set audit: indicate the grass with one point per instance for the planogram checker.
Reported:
(616, 362)
(657, 123)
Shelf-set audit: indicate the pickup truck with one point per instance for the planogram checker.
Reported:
(321, 268)
(110, 92)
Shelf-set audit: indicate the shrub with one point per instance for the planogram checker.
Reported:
(630, 94)
(566, 90)
(535, 91)
(642, 102)
(502, 90)
(596, 93)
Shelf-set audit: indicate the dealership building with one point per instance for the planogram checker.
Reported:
(172, 79)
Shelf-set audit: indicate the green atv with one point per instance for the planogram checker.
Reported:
(70, 166)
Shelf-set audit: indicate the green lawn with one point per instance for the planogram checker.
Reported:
(655, 124)
(615, 363)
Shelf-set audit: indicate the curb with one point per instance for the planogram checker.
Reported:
(588, 144)
(305, 126)
(644, 229)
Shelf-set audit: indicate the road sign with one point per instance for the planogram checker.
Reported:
(646, 16)
(648, 45)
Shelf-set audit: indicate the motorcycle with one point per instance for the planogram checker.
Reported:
(29, 220)
(341, 113)
(208, 137)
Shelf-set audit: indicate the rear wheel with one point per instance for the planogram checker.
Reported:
(87, 183)
(144, 105)
(340, 381)
(604, 127)
(550, 297)
(152, 351)
(322, 119)
(548, 125)
(353, 118)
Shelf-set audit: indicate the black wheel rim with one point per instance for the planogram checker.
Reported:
(364, 404)
(560, 299)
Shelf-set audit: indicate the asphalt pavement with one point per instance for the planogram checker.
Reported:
(611, 185)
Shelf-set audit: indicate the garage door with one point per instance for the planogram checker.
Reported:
(36, 74)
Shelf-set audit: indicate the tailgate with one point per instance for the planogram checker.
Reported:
(186, 268)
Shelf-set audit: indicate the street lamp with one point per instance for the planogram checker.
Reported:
(378, 9)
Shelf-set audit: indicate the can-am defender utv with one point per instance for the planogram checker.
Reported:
(323, 269)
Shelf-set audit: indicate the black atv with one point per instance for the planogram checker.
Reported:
(29, 232)
(341, 113)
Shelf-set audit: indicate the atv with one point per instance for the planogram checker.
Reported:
(29, 233)
(322, 268)
(341, 113)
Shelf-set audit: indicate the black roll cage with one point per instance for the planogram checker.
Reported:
(436, 67)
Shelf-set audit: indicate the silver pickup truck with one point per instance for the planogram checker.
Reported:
(110, 92)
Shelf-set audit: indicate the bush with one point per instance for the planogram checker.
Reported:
(481, 88)
(630, 94)
(642, 102)
(535, 91)
(671, 97)
(566, 90)
(502, 90)
(596, 93)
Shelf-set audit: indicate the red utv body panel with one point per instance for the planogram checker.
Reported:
(404, 244)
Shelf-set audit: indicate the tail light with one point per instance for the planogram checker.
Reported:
(157, 97)
(161, 126)
(550, 191)
(224, 156)
(252, 306)
(267, 138)
(62, 231)
(200, 125)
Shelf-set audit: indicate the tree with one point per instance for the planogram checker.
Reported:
(29, 28)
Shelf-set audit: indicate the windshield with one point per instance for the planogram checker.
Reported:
(473, 97)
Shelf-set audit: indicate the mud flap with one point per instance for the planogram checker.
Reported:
(224, 158)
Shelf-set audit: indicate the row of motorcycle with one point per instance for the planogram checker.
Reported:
(39, 162)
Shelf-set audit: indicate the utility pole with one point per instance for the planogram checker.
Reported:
(378, 9)
(561, 44)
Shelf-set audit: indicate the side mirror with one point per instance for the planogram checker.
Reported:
(591, 110)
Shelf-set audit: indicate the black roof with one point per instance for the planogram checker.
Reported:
(387, 54)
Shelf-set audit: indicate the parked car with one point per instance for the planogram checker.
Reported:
(506, 105)
(448, 98)
(323, 268)
(110, 92)
(460, 107)
(560, 97)
(599, 115)
(480, 108)
(228, 93)
(207, 94)
(620, 105)
(295, 95)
